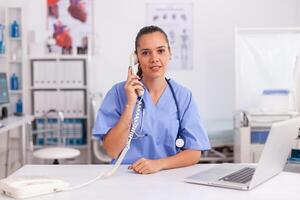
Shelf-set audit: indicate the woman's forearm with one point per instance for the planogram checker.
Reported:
(116, 138)
(182, 159)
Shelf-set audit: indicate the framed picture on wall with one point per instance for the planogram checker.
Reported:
(70, 26)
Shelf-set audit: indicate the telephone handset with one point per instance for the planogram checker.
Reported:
(133, 61)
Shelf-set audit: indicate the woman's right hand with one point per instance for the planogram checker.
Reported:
(132, 85)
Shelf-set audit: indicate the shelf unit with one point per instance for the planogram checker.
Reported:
(13, 61)
(61, 83)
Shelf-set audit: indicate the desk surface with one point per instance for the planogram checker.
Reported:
(14, 121)
(167, 184)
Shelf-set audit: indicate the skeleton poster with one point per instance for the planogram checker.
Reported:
(177, 21)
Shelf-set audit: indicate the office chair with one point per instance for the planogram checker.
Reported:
(97, 144)
(54, 140)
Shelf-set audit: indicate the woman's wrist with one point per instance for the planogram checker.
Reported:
(127, 115)
(130, 106)
(163, 163)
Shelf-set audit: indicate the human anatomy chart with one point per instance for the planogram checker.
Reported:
(176, 20)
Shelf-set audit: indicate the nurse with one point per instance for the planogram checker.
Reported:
(169, 113)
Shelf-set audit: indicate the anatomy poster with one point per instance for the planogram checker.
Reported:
(69, 25)
(176, 21)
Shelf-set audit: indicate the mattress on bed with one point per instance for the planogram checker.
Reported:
(220, 132)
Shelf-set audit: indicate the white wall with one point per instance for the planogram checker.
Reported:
(212, 79)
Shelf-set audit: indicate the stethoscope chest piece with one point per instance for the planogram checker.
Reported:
(179, 142)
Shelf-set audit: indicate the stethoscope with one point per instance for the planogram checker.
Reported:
(179, 142)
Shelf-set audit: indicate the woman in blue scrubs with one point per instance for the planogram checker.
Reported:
(168, 113)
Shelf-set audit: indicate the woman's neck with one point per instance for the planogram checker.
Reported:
(155, 87)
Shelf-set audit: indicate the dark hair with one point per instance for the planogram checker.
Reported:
(147, 30)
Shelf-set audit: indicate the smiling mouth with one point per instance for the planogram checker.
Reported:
(155, 67)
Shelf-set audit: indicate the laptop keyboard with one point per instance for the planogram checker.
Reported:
(242, 176)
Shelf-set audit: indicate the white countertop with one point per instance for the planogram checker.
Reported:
(167, 184)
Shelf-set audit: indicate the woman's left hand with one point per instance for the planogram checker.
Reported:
(145, 166)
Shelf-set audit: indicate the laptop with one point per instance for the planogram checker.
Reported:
(245, 177)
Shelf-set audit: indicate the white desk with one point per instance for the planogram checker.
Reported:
(14, 122)
(166, 185)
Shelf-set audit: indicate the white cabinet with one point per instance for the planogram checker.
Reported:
(251, 135)
(60, 83)
(242, 144)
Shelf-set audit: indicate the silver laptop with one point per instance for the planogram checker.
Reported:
(271, 163)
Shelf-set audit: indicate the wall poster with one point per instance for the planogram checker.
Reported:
(177, 21)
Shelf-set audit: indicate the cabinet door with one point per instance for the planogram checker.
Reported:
(255, 151)
(242, 145)
(71, 73)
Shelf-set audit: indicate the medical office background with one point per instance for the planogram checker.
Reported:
(212, 76)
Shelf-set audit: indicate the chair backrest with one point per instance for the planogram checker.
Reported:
(99, 152)
(49, 129)
(54, 138)
(96, 101)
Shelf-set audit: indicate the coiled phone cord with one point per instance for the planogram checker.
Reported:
(121, 156)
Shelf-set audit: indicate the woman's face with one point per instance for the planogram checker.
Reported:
(153, 54)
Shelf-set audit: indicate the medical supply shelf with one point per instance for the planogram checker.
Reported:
(14, 61)
(60, 83)
(58, 57)
(251, 133)
(59, 88)
(16, 39)
(69, 117)
(74, 146)
(14, 92)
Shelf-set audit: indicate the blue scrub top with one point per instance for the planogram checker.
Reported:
(158, 124)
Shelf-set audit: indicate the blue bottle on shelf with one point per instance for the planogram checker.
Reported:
(2, 44)
(14, 82)
(19, 106)
(15, 30)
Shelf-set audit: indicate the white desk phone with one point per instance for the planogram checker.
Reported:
(30, 186)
